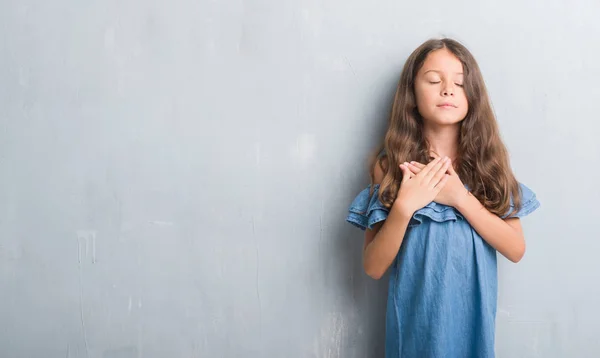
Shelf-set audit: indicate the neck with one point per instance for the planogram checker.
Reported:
(443, 140)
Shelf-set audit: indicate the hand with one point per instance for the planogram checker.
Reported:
(418, 190)
(453, 192)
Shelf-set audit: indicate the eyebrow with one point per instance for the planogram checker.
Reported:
(457, 73)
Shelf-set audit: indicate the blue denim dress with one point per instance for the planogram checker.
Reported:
(443, 283)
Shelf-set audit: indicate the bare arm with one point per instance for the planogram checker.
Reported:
(506, 236)
(382, 244)
(383, 241)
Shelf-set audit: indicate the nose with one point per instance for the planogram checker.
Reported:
(448, 90)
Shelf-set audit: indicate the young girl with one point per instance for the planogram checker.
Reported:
(442, 201)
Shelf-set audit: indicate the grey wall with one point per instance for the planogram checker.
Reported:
(175, 175)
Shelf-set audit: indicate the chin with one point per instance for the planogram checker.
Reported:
(445, 121)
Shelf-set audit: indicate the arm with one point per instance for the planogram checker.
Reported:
(383, 242)
(506, 236)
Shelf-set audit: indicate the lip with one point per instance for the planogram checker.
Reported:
(446, 105)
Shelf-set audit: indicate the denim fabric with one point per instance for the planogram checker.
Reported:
(443, 283)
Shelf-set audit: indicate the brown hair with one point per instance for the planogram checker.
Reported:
(482, 161)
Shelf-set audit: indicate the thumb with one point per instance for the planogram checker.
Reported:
(451, 169)
(406, 174)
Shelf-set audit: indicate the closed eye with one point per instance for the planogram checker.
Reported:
(433, 83)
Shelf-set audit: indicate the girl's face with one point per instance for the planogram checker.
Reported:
(439, 92)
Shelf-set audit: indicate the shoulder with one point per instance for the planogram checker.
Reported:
(529, 203)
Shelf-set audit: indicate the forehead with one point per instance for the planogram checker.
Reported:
(442, 61)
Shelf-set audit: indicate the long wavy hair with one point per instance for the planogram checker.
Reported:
(482, 162)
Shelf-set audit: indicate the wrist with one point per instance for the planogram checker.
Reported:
(463, 200)
(402, 211)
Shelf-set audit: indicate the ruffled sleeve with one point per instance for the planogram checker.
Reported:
(529, 203)
(367, 210)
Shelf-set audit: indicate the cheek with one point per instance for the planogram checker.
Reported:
(424, 98)
(464, 103)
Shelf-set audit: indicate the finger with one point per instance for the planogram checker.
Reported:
(440, 165)
(418, 165)
(414, 168)
(439, 175)
(406, 174)
(451, 169)
(440, 185)
(410, 173)
(428, 167)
